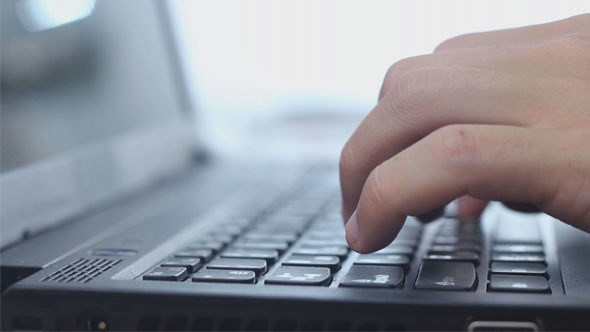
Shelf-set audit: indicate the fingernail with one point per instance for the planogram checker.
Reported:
(352, 229)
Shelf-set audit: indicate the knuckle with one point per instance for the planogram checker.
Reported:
(397, 70)
(408, 93)
(376, 189)
(455, 144)
(451, 43)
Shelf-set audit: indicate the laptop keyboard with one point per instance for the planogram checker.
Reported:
(298, 239)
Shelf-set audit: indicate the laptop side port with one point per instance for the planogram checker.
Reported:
(482, 325)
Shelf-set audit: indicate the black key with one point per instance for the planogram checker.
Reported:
(533, 258)
(281, 226)
(470, 238)
(396, 250)
(373, 276)
(211, 245)
(269, 255)
(459, 256)
(315, 242)
(295, 275)
(449, 248)
(450, 222)
(331, 262)
(277, 228)
(518, 283)
(518, 248)
(204, 254)
(376, 259)
(237, 276)
(340, 251)
(448, 233)
(287, 237)
(256, 265)
(518, 268)
(405, 242)
(408, 234)
(446, 240)
(326, 234)
(518, 230)
(439, 275)
(190, 263)
(280, 246)
(172, 273)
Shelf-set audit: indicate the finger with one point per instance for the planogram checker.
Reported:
(528, 34)
(487, 162)
(470, 207)
(427, 99)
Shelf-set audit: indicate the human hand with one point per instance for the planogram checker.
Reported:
(502, 115)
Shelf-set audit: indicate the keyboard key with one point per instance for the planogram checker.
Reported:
(262, 237)
(373, 276)
(446, 240)
(331, 262)
(405, 242)
(440, 275)
(256, 265)
(518, 230)
(396, 250)
(326, 234)
(449, 248)
(534, 258)
(340, 251)
(277, 228)
(172, 273)
(315, 242)
(269, 255)
(295, 275)
(232, 276)
(408, 235)
(518, 283)
(204, 254)
(518, 268)
(211, 245)
(518, 248)
(191, 264)
(280, 246)
(459, 256)
(376, 259)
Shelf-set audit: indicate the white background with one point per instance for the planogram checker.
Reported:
(253, 65)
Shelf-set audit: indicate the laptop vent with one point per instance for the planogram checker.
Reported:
(82, 270)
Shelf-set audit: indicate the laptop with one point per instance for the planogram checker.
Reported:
(115, 217)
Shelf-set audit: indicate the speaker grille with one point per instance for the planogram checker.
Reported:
(81, 270)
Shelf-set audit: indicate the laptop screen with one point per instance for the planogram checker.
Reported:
(76, 72)
(92, 100)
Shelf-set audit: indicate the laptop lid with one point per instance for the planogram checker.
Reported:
(93, 106)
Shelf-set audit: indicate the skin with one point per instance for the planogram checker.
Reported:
(502, 115)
